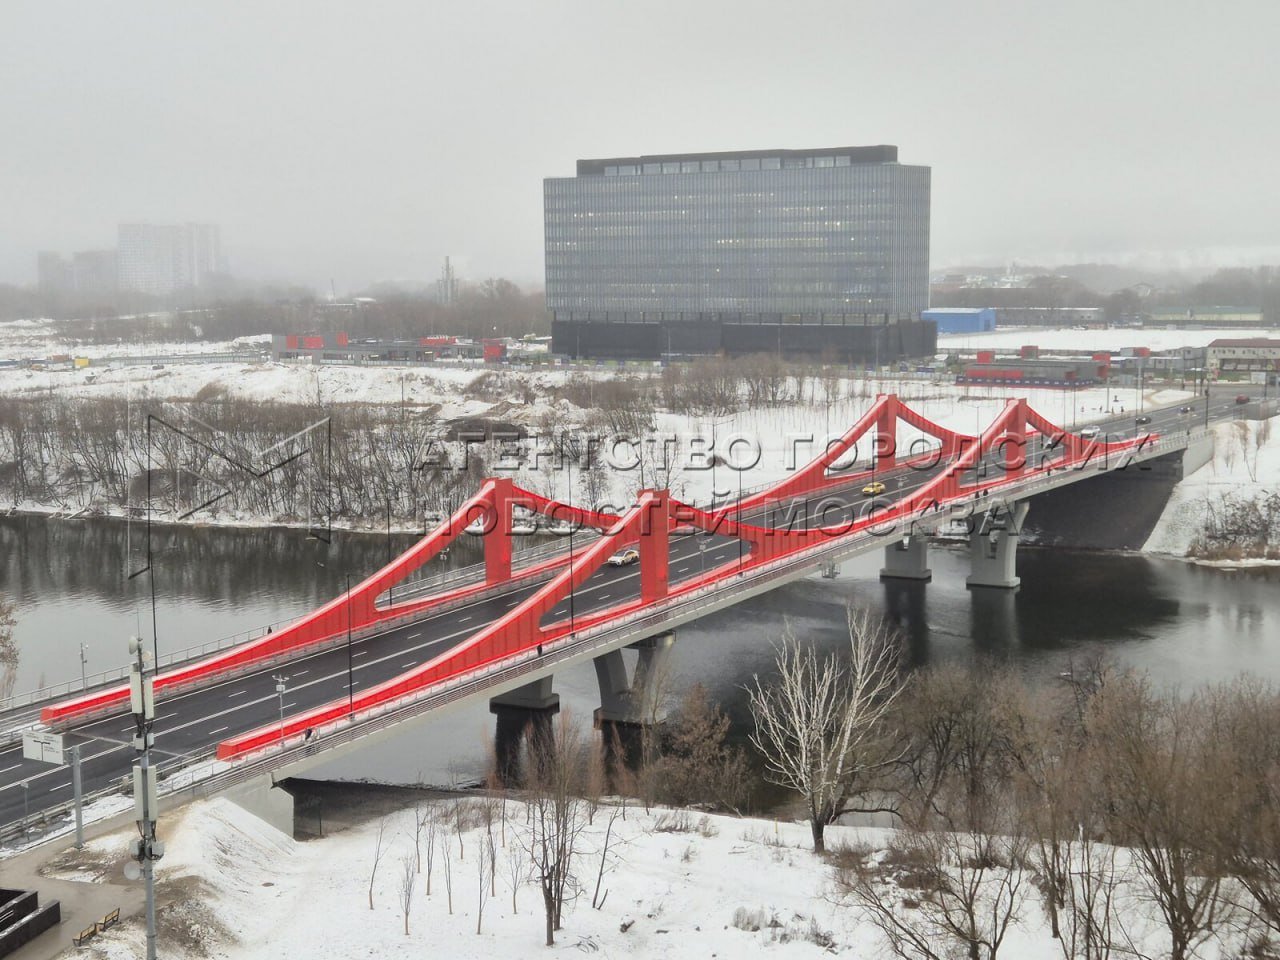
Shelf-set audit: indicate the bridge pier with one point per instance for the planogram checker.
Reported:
(908, 559)
(993, 548)
(522, 714)
(631, 707)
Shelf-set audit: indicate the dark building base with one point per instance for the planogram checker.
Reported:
(839, 340)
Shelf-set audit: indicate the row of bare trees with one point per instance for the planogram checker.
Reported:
(1141, 821)
(277, 460)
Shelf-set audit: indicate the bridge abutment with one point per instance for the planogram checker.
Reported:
(993, 548)
(908, 559)
(266, 799)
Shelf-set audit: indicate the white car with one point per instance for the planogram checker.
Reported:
(1089, 433)
(625, 557)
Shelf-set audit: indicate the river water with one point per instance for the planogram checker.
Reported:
(1183, 624)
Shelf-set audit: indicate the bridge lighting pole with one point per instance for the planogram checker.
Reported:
(84, 683)
(280, 680)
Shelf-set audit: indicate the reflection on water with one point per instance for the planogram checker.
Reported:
(1181, 623)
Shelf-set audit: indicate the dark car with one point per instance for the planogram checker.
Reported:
(1242, 398)
(1141, 420)
(1185, 410)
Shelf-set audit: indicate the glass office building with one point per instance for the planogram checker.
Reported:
(828, 237)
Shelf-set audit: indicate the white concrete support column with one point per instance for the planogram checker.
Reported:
(908, 559)
(993, 548)
(636, 700)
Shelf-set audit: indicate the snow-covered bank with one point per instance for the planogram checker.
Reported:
(1228, 511)
(678, 885)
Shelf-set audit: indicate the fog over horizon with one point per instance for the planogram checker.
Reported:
(364, 143)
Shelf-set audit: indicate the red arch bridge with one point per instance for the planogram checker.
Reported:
(396, 647)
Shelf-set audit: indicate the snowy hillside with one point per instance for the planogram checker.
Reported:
(1230, 508)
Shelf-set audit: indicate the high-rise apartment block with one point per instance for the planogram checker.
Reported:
(160, 259)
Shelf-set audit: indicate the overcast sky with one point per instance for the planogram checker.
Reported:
(364, 141)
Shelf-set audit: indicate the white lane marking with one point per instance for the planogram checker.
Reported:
(359, 653)
(464, 619)
(237, 693)
(299, 673)
(415, 636)
(14, 767)
(682, 569)
(219, 730)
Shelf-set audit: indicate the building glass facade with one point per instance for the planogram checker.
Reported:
(739, 237)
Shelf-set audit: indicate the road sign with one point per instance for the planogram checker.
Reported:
(45, 747)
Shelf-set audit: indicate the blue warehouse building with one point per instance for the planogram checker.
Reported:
(962, 319)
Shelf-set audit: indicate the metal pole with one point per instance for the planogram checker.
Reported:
(84, 683)
(79, 794)
(147, 849)
(280, 688)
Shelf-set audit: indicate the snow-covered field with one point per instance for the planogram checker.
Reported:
(25, 339)
(1086, 341)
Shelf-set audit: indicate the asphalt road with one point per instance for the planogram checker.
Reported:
(194, 722)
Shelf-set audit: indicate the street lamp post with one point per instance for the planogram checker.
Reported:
(84, 683)
(281, 680)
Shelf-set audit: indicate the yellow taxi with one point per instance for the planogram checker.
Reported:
(873, 489)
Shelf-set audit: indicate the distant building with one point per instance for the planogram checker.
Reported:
(88, 273)
(962, 319)
(1238, 358)
(160, 259)
(822, 251)
(95, 272)
(54, 273)
(1032, 371)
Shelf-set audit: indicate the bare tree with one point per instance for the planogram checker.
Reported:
(1158, 774)
(484, 877)
(431, 828)
(8, 649)
(378, 852)
(459, 810)
(697, 764)
(597, 901)
(408, 877)
(557, 815)
(446, 865)
(516, 863)
(819, 726)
